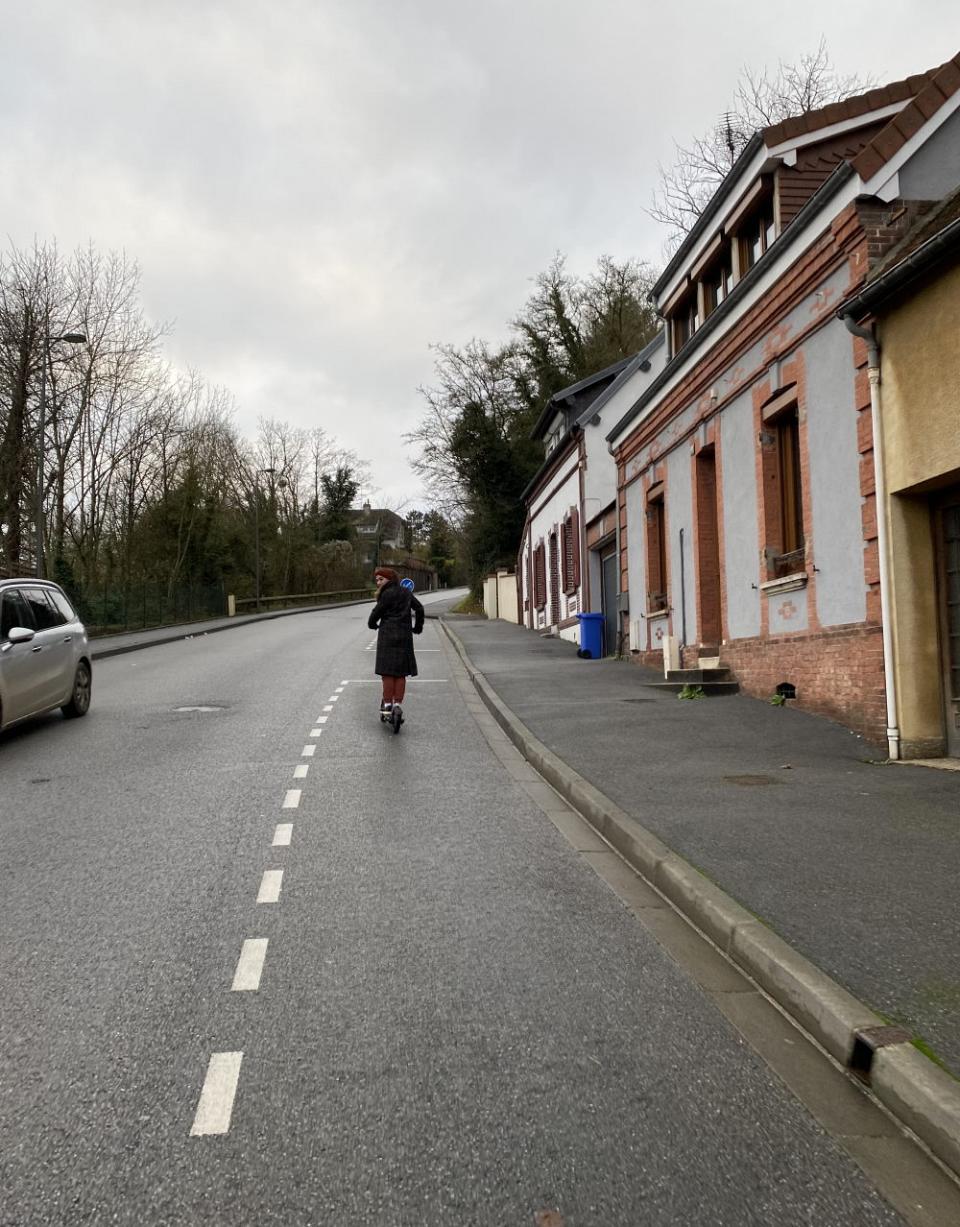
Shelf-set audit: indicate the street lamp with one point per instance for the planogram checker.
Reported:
(69, 338)
(256, 530)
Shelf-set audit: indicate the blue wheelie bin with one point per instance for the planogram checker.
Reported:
(591, 636)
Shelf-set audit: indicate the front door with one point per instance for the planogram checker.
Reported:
(609, 593)
(948, 543)
(708, 550)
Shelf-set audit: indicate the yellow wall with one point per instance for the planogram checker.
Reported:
(920, 372)
(920, 391)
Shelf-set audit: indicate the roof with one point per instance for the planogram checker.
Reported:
(567, 394)
(922, 94)
(933, 237)
(630, 368)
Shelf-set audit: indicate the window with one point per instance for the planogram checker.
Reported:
(61, 602)
(14, 611)
(46, 616)
(570, 547)
(756, 234)
(717, 282)
(539, 577)
(656, 551)
(685, 322)
(783, 491)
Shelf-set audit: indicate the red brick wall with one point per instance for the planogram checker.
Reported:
(838, 673)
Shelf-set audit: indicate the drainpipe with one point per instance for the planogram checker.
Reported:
(880, 486)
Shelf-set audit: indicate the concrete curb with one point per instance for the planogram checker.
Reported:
(922, 1096)
(189, 630)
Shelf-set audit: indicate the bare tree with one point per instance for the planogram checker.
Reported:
(760, 99)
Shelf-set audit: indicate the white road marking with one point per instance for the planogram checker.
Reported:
(370, 646)
(345, 683)
(329, 707)
(270, 884)
(300, 771)
(291, 798)
(216, 1099)
(339, 690)
(333, 698)
(309, 751)
(315, 732)
(246, 979)
(322, 719)
(283, 834)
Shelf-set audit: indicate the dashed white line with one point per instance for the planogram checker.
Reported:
(329, 707)
(246, 979)
(333, 698)
(292, 798)
(309, 751)
(282, 835)
(216, 1098)
(270, 884)
(315, 732)
(300, 771)
(322, 719)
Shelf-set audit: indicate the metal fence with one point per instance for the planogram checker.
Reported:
(107, 609)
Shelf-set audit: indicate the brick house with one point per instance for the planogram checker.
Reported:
(567, 558)
(746, 485)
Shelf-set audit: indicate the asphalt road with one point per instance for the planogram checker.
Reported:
(449, 1018)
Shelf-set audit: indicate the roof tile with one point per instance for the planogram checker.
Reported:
(910, 120)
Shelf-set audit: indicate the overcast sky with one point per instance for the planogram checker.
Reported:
(317, 190)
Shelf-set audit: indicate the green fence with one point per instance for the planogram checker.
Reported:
(108, 609)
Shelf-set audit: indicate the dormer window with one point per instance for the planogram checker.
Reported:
(553, 438)
(757, 233)
(686, 320)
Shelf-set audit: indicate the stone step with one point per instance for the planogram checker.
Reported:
(710, 689)
(696, 677)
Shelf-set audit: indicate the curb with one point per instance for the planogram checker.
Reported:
(916, 1091)
(187, 630)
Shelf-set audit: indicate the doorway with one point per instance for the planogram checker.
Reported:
(609, 599)
(708, 550)
(947, 517)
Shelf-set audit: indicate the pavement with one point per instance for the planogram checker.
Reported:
(828, 874)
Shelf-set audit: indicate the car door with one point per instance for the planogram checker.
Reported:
(20, 677)
(55, 658)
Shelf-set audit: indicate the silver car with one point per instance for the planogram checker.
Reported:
(44, 652)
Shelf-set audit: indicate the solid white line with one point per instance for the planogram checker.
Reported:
(246, 979)
(270, 884)
(309, 751)
(370, 646)
(292, 798)
(300, 771)
(283, 834)
(216, 1099)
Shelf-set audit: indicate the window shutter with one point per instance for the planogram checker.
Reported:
(575, 551)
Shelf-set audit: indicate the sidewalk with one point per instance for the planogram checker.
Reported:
(854, 862)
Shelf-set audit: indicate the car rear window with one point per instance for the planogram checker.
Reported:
(14, 611)
(61, 602)
(45, 614)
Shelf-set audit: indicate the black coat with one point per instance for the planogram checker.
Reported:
(391, 614)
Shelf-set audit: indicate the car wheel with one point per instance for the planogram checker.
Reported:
(79, 703)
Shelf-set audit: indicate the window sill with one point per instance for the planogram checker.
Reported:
(785, 583)
(659, 613)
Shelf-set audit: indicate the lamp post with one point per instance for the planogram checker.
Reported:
(256, 530)
(69, 338)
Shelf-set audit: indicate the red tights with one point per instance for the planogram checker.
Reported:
(394, 688)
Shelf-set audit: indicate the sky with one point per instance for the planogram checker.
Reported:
(318, 191)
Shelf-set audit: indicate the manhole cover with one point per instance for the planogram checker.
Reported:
(750, 781)
(199, 707)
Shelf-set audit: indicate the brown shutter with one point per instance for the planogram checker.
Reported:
(575, 535)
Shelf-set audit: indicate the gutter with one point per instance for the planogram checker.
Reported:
(880, 488)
